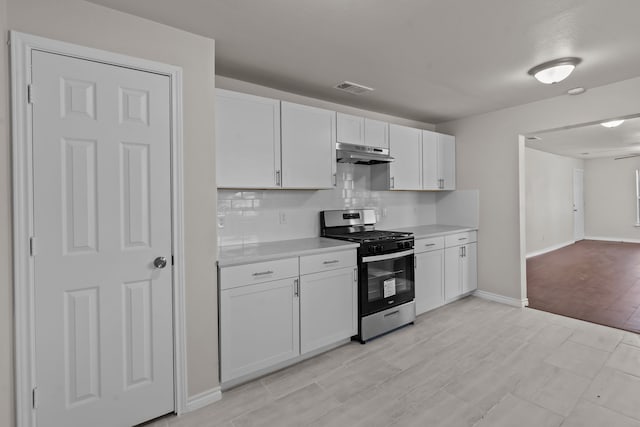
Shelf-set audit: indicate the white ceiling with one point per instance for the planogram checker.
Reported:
(594, 139)
(429, 60)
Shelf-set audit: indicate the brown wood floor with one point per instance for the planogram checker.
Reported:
(590, 280)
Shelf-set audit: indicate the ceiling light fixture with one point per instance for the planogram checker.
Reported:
(612, 123)
(554, 71)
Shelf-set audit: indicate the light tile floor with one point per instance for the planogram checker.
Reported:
(470, 363)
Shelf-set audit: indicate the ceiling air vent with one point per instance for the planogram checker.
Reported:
(353, 88)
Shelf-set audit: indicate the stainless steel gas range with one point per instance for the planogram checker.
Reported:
(386, 270)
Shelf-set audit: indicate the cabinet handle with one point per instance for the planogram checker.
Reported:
(430, 244)
(355, 274)
(263, 273)
(464, 251)
(461, 248)
(393, 182)
(296, 287)
(415, 261)
(277, 177)
(462, 238)
(335, 180)
(441, 183)
(333, 261)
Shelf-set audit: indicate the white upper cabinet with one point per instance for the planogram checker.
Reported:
(405, 146)
(308, 147)
(362, 131)
(350, 129)
(247, 141)
(448, 160)
(376, 133)
(438, 161)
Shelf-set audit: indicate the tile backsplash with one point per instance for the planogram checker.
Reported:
(269, 215)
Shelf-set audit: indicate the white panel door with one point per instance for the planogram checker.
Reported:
(578, 204)
(259, 327)
(429, 280)
(328, 307)
(247, 141)
(430, 161)
(447, 160)
(308, 146)
(103, 313)
(405, 145)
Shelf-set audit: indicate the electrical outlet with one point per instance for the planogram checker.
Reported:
(283, 217)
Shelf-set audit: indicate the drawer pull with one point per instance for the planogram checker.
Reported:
(263, 273)
(331, 262)
(430, 244)
(462, 238)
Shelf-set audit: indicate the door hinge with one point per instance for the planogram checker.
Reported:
(33, 248)
(30, 93)
(34, 398)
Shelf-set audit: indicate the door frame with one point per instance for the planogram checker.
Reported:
(22, 46)
(576, 172)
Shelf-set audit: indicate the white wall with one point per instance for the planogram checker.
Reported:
(254, 216)
(549, 199)
(610, 192)
(80, 22)
(488, 150)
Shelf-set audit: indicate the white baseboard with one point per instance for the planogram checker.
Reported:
(550, 248)
(612, 239)
(203, 399)
(501, 298)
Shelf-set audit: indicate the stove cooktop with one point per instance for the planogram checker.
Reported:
(369, 236)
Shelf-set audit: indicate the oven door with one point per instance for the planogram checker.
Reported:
(386, 280)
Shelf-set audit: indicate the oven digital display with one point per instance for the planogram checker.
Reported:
(351, 215)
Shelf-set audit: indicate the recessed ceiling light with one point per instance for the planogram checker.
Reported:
(576, 91)
(612, 123)
(554, 71)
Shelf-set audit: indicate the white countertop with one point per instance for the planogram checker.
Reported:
(433, 230)
(257, 252)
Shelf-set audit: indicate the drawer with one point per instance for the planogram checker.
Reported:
(429, 244)
(248, 274)
(460, 238)
(328, 261)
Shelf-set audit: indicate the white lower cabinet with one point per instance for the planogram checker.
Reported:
(274, 312)
(328, 307)
(429, 280)
(259, 326)
(460, 266)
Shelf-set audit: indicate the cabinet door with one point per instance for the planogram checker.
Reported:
(247, 141)
(430, 161)
(259, 327)
(350, 129)
(308, 147)
(452, 273)
(429, 280)
(447, 160)
(328, 307)
(376, 133)
(470, 268)
(405, 145)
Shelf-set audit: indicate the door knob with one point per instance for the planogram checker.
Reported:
(160, 262)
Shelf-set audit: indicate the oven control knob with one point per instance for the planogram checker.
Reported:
(378, 249)
(371, 249)
(400, 245)
(407, 244)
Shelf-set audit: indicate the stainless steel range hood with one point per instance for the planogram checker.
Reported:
(362, 155)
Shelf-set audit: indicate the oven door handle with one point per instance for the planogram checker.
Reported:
(387, 256)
